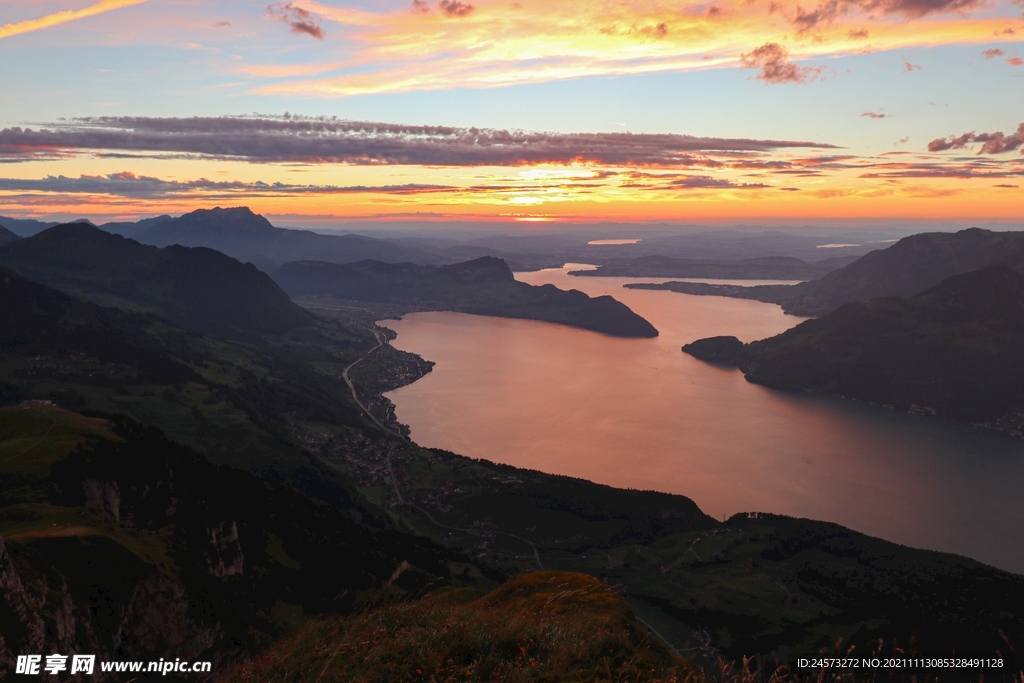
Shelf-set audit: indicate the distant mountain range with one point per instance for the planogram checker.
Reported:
(910, 266)
(249, 237)
(955, 350)
(484, 286)
(195, 288)
(762, 268)
(26, 227)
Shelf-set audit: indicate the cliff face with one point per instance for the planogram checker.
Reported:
(132, 547)
(89, 596)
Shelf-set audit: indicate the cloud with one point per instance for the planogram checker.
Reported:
(1015, 61)
(908, 67)
(992, 143)
(1013, 187)
(300, 20)
(992, 53)
(772, 59)
(127, 184)
(287, 138)
(874, 115)
(391, 48)
(829, 11)
(454, 8)
(8, 30)
(420, 6)
(221, 24)
(704, 182)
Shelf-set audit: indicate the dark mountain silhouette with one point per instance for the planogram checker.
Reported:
(910, 266)
(484, 286)
(198, 289)
(7, 236)
(25, 227)
(133, 230)
(763, 268)
(249, 237)
(955, 350)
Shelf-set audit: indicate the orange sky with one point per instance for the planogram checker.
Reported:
(852, 108)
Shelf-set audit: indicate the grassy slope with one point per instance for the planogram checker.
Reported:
(240, 405)
(753, 584)
(545, 626)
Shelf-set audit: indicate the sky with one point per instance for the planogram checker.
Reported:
(544, 111)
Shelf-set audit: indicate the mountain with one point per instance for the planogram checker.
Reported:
(484, 286)
(753, 584)
(955, 350)
(25, 227)
(7, 236)
(198, 289)
(763, 268)
(249, 237)
(910, 266)
(117, 542)
(130, 229)
(243, 405)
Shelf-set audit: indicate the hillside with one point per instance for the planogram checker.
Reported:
(7, 236)
(484, 286)
(118, 542)
(250, 238)
(910, 266)
(198, 289)
(544, 626)
(955, 350)
(239, 405)
(762, 268)
(753, 584)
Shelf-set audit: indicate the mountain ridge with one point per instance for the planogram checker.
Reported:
(909, 266)
(196, 288)
(483, 286)
(250, 237)
(955, 350)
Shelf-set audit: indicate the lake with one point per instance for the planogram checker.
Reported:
(639, 413)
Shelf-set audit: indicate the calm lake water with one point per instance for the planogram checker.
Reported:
(640, 413)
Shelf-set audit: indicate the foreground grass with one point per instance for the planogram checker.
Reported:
(544, 626)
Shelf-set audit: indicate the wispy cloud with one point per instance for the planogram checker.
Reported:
(57, 18)
(323, 140)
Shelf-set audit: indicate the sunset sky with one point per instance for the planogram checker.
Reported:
(560, 110)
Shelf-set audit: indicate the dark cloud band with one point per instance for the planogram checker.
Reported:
(327, 141)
